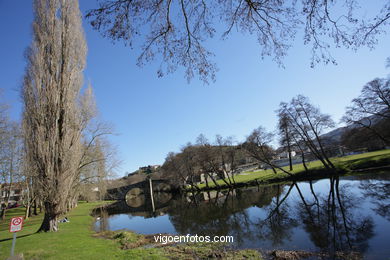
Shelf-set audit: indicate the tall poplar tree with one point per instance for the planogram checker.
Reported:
(51, 117)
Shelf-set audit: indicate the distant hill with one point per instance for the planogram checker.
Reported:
(334, 136)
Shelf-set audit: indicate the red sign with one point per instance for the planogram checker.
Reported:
(16, 224)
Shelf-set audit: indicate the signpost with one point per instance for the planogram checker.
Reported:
(15, 225)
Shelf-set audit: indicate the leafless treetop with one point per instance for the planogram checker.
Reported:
(177, 30)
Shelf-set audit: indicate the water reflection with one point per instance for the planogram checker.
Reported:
(329, 215)
(277, 226)
(334, 221)
(379, 192)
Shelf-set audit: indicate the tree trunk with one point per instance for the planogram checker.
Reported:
(27, 211)
(35, 207)
(30, 210)
(50, 220)
(225, 173)
(234, 181)
(289, 150)
(303, 161)
(3, 210)
(7, 199)
(68, 205)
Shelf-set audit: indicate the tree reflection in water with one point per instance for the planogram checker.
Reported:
(222, 213)
(331, 219)
(278, 216)
(379, 192)
(277, 227)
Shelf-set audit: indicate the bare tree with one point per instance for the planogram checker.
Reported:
(171, 170)
(300, 145)
(92, 183)
(11, 153)
(258, 146)
(188, 166)
(178, 30)
(370, 108)
(98, 163)
(227, 152)
(207, 161)
(98, 159)
(217, 161)
(182, 168)
(285, 131)
(308, 124)
(51, 116)
(31, 196)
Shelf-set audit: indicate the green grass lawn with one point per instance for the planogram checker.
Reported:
(77, 240)
(347, 163)
(74, 240)
(29, 226)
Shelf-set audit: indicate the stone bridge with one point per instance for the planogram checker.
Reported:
(140, 188)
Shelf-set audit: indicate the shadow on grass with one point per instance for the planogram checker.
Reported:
(26, 235)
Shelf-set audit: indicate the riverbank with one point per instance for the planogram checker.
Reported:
(77, 240)
(352, 164)
(74, 240)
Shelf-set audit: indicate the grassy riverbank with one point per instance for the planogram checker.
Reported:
(344, 165)
(73, 241)
(77, 240)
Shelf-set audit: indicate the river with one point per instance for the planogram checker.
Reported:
(349, 214)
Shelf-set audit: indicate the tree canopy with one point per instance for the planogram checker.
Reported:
(177, 31)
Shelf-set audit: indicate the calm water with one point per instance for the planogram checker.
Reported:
(346, 214)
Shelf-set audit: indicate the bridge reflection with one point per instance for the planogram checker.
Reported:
(140, 205)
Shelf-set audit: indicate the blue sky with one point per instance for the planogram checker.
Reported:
(154, 116)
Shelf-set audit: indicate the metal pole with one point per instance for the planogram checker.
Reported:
(13, 244)
(151, 193)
